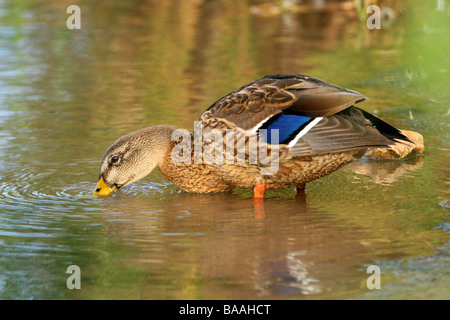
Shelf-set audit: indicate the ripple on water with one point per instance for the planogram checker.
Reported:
(42, 193)
(32, 205)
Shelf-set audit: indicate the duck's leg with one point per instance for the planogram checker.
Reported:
(301, 194)
(300, 189)
(259, 191)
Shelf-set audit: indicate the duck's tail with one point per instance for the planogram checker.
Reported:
(390, 132)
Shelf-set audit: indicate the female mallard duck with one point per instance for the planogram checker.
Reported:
(308, 127)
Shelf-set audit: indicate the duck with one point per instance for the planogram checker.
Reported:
(278, 132)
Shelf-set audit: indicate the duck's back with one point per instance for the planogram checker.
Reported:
(311, 116)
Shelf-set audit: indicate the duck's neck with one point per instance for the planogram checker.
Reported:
(161, 140)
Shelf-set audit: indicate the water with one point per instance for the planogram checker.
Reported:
(65, 95)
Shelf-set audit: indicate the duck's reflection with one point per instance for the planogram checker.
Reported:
(386, 171)
(229, 246)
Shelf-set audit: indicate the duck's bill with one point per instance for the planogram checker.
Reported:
(102, 189)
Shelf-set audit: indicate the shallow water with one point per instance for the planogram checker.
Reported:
(66, 95)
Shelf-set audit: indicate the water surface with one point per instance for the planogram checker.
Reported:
(66, 95)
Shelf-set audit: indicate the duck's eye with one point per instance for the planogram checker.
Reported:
(114, 159)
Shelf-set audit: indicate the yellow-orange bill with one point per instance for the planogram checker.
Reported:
(102, 189)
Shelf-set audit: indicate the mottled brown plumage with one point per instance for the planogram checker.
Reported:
(257, 100)
(322, 128)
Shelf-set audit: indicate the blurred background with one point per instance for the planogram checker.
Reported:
(66, 95)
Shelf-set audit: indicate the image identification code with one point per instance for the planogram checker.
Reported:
(226, 309)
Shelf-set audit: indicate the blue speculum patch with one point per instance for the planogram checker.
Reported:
(288, 126)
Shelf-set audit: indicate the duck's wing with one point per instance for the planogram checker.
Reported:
(257, 102)
(352, 128)
(306, 114)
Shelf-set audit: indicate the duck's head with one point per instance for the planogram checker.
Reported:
(132, 157)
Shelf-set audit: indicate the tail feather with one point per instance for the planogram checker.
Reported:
(385, 128)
